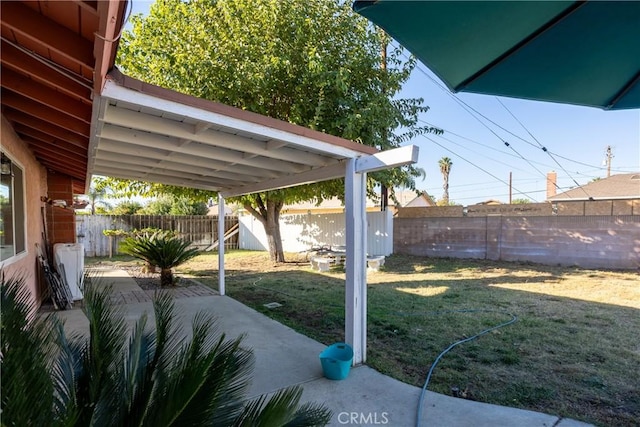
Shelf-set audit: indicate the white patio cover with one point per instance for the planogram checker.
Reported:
(144, 132)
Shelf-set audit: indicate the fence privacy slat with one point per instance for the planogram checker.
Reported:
(200, 230)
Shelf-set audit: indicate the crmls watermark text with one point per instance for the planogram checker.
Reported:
(363, 418)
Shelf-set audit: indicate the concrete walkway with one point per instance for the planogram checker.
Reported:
(284, 357)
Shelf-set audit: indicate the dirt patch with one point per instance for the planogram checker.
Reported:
(150, 281)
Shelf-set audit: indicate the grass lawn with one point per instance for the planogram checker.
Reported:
(574, 350)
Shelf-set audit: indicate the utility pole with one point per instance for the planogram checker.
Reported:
(384, 191)
(510, 186)
(607, 158)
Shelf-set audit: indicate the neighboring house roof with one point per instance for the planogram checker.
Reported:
(55, 55)
(213, 210)
(334, 205)
(490, 202)
(616, 187)
(419, 201)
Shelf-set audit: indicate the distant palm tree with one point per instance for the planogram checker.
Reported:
(445, 164)
(97, 196)
(156, 376)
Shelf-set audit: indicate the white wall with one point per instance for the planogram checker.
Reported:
(301, 232)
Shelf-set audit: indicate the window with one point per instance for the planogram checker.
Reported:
(12, 212)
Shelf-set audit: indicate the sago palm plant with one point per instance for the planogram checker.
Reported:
(146, 377)
(161, 249)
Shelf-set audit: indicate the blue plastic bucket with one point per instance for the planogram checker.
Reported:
(336, 361)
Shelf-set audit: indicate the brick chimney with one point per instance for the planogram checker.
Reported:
(552, 178)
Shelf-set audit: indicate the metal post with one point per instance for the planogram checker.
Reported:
(221, 244)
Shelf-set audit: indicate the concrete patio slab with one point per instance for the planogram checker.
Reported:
(283, 358)
(366, 397)
(567, 422)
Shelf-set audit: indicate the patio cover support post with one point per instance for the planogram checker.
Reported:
(356, 271)
(221, 214)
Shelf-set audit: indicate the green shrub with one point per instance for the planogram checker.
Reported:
(146, 377)
(161, 249)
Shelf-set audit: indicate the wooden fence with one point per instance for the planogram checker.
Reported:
(200, 230)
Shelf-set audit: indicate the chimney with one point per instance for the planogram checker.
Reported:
(552, 177)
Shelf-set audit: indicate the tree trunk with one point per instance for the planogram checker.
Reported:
(166, 277)
(445, 186)
(269, 215)
(272, 228)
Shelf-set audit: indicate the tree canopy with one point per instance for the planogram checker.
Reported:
(314, 63)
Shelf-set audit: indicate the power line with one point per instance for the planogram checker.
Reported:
(474, 165)
(598, 168)
(478, 143)
(499, 195)
(480, 187)
(543, 148)
(468, 109)
(479, 154)
(484, 184)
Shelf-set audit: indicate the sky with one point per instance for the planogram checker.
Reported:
(576, 140)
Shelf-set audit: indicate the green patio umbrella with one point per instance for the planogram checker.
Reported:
(582, 53)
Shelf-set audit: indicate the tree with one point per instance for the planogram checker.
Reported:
(127, 207)
(168, 204)
(445, 164)
(147, 377)
(313, 63)
(188, 206)
(522, 201)
(159, 206)
(98, 191)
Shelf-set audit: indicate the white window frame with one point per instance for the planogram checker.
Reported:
(19, 211)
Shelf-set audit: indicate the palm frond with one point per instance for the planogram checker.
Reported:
(150, 377)
(165, 347)
(103, 356)
(162, 249)
(310, 415)
(282, 410)
(64, 374)
(209, 377)
(137, 376)
(26, 351)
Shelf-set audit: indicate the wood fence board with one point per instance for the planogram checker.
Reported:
(200, 230)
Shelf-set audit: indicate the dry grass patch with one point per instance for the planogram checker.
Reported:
(574, 351)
